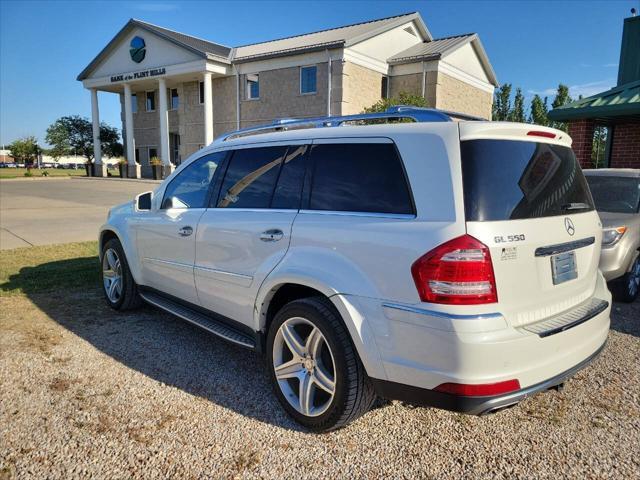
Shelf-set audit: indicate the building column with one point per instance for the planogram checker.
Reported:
(581, 132)
(167, 166)
(208, 109)
(133, 169)
(99, 169)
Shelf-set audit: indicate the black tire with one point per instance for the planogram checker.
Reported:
(129, 299)
(626, 288)
(354, 394)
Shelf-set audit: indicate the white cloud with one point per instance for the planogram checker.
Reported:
(584, 89)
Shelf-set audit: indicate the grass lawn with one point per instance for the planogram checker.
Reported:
(50, 267)
(53, 172)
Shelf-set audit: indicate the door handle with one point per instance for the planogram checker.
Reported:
(185, 231)
(272, 235)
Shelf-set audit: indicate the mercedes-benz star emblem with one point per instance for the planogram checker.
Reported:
(568, 224)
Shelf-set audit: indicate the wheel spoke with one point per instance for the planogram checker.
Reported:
(314, 343)
(291, 369)
(292, 340)
(112, 289)
(108, 274)
(323, 380)
(306, 394)
(119, 285)
(112, 259)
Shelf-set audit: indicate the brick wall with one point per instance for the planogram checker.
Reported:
(625, 151)
(280, 97)
(581, 132)
(458, 96)
(361, 88)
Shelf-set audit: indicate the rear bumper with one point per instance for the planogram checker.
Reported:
(472, 405)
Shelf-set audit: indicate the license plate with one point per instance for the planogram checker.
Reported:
(563, 267)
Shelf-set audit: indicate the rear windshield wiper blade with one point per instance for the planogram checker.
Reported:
(575, 206)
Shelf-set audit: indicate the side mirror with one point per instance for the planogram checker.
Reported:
(143, 201)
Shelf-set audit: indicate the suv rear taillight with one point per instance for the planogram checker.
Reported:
(457, 272)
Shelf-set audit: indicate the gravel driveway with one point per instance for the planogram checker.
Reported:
(86, 392)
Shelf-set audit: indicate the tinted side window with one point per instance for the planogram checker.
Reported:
(251, 178)
(359, 177)
(190, 188)
(289, 187)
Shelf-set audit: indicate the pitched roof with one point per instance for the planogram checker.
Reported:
(432, 50)
(203, 46)
(621, 101)
(347, 35)
(440, 47)
(196, 45)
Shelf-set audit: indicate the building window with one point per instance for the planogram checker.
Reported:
(134, 103)
(201, 90)
(174, 98)
(253, 86)
(151, 101)
(137, 155)
(153, 152)
(384, 93)
(308, 82)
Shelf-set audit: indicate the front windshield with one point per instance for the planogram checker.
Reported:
(615, 194)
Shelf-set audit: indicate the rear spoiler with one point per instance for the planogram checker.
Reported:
(513, 131)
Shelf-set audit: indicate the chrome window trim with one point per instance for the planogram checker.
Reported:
(257, 210)
(433, 313)
(399, 216)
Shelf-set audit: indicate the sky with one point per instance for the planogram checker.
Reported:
(534, 45)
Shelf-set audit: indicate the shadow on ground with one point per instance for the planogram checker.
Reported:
(172, 351)
(156, 344)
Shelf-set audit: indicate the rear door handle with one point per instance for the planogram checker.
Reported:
(185, 231)
(272, 235)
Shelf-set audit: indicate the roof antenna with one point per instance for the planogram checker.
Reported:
(633, 12)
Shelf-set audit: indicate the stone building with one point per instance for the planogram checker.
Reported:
(179, 92)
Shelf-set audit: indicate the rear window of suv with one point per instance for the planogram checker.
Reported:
(509, 180)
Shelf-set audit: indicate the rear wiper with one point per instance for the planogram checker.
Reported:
(575, 206)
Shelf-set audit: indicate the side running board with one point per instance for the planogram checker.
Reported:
(203, 321)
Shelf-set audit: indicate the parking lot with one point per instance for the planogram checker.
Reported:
(88, 392)
(49, 211)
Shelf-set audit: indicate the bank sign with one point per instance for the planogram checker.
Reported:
(124, 77)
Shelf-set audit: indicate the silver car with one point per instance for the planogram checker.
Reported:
(616, 192)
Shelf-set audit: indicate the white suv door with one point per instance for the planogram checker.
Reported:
(166, 236)
(247, 230)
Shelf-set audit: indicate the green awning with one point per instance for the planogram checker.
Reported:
(619, 103)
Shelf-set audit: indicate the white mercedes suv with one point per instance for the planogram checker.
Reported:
(445, 262)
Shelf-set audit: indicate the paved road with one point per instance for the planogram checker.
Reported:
(42, 212)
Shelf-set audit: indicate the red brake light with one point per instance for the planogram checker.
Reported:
(481, 390)
(539, 133)
(457, 272)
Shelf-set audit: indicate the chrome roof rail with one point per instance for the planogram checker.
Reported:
(417, 114)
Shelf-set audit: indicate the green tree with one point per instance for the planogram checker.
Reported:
(599, 146)
(539, 111)
(75, 134)
(562, 98)
(25, 150)
(517, 114)
(502, 103)
(402, 99)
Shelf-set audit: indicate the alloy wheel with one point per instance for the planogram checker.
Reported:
(112, 275)
(304, 366)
